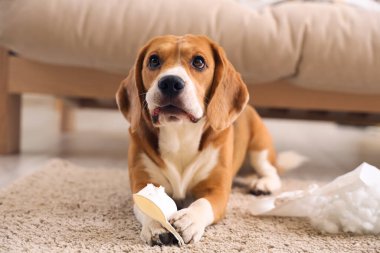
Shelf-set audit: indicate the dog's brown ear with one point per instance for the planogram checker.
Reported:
(229, 94)
(128, 101)
(130, 95)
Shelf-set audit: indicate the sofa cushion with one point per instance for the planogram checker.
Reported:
(315, 45)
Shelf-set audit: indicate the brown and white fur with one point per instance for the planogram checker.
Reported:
(191, 130)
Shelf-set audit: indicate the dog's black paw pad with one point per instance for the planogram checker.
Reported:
(258, 192)
(167, 239)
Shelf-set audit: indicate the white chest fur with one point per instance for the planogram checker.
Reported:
(185, 165)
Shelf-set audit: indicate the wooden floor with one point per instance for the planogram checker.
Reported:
(100, 140)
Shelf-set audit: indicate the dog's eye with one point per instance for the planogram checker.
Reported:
(154, 62)
(198, 62)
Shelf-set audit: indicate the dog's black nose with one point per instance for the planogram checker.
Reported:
(171, 85)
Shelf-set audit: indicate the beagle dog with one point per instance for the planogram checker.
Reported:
(191, 129)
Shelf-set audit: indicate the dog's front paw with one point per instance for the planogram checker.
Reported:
(188, 224)
(265, 185)
(153, 233)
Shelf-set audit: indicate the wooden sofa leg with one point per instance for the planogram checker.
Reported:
(66, 109)
(10, 108)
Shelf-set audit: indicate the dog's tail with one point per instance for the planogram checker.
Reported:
(289, 160)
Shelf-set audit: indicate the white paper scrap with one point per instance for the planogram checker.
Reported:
(350, 203)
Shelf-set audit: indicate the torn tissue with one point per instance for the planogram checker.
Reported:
(350, 203)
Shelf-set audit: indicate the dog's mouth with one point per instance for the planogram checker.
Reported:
(172, 113)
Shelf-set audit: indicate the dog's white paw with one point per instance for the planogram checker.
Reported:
(189, 224)
(265, 185)
(153, 233)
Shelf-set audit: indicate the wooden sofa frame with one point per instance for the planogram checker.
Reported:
(19, 76)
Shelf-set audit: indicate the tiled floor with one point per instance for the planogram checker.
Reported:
(100, 140)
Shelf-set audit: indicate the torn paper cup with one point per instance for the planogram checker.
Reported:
(158, 196)
(155, 203)
(350, 203)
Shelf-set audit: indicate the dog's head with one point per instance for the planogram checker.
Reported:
(177, 79)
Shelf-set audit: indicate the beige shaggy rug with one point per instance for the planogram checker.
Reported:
(65, 208)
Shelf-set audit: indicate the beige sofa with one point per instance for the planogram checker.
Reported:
(295, 56)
